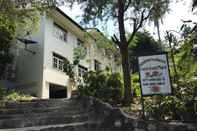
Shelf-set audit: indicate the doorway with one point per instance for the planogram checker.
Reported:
(57, 91)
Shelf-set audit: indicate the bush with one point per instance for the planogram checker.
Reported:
(136, 84)
(17, 96)
(180, 106)
(7, 30)
(103, 85)
(168, 108)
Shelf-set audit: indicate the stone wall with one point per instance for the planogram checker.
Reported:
(77, 114)
(113, 119)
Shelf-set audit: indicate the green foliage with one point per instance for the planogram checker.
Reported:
(143, 43)
(176, 107)
(120, 11)
(96, 11)
(7, 33)
(180, 105)
(161, 8)
(102, 41)
(68, 68)
(79, 54)
(25, 20)
(186, 58)
(2, 92)
(15, 21)
(136, 84)
(165, 108)
(16, 96)
(12, 95)
(103, 85)
(194, 4)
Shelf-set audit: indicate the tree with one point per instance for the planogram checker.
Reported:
(159, 13)
(7, 30)
(136, 11)
(194, 4)
(12, 18)
(144, 44)
(17, 19)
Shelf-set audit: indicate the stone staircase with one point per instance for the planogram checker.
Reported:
(77, 114)
(47, 115)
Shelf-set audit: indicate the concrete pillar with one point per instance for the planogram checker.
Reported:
(45, 90)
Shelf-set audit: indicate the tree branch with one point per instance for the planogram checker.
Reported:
(149, 13)
(115, 40)
(121, 22)
(134, 30)
(136, 26)
(142, 19)
(127, 6)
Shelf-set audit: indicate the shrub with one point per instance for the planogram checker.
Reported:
(179, 106)
(136, 84)
(17, 96)
(168, 108)
(7, 30)
(103, 85)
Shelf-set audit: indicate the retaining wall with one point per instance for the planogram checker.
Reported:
(113, 119)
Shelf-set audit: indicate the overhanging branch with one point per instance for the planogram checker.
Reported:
(149, 13)
(127, 6)
(134, 30)
(136, 26)
(115, 40)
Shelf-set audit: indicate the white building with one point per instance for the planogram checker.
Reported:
(40, 71)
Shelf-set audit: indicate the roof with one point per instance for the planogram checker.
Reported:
(77, 25)
(70, 19)
(91, 31)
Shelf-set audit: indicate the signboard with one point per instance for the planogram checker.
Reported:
(154, 75)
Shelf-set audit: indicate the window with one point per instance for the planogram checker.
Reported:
(82, 70)
(97, 65)
(55, 61)
(58, 62)
(59, 32)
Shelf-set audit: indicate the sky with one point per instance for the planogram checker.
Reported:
(172, 21)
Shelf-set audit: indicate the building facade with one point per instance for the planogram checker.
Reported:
(40, 69)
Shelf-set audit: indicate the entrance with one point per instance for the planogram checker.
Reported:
(56, 91)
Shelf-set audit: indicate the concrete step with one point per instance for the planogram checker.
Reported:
(63, 108)
(40, 113)
(42, 103)
(38, 120)
(78, 126)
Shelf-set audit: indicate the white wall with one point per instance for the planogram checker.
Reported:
(29, 67)
(60, 47)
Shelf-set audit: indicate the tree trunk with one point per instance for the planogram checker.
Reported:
(126, 74)
(123, 45)
(158, 32)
